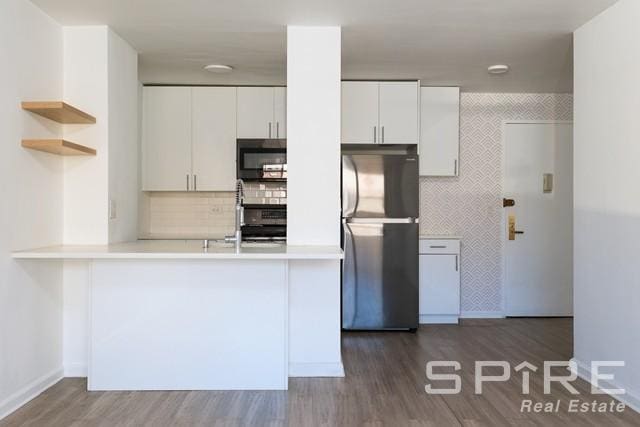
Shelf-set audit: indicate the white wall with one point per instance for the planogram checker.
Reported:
(607, 192)
(31, 184)
(86, 179)
(313, 158)
(123, 139)
(101, 75)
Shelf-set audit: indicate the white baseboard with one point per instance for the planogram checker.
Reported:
(75, 370)
(438, 319)
(631, 398)
(316, 370)
(30, 391)
(482, 315)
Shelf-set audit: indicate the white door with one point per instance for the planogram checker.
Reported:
(166, 139)
(360, 113)
(439, 131)
(399, 113)
(214, 138)
(255, 112)
(439, 285)
(539, 258)
(280, 112)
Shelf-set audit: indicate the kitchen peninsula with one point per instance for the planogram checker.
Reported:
(170, 315)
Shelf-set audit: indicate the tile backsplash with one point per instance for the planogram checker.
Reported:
(197, 215)
(187, 215)
(272, 193)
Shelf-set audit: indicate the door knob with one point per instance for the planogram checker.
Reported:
(512, 228)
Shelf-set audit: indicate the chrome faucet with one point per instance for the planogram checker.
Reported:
(237, 235)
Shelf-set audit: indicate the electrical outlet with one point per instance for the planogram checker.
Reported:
(216, 209)
(112, 209)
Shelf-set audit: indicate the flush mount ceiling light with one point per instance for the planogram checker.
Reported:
(218, 68)
(498, 69)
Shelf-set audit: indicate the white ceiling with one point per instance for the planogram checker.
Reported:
(441, 42)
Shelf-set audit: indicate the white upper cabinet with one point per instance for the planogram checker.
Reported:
(440, 130)
(189, 139)
(380, 112)
(280, 112)
(261, 112)
(166, 138)
(214, 138)
(399, 113)
(360, 112)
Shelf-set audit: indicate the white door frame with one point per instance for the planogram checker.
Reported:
(503, 179)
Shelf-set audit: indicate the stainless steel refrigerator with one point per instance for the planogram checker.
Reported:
(380, 241)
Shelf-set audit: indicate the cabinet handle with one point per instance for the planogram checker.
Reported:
(277, 129)
(187, 182)
(269, 129)
(455, 167)
(382, 134)
(456, 262)
(375, 134)
(195, 182)
(438, 247)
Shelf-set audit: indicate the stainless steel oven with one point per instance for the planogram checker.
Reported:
(265, 223)
(262, 159)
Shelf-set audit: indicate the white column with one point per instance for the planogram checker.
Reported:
(313, 217)
(313, 135)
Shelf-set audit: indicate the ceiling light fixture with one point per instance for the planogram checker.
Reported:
(498, 69)
(218, 68)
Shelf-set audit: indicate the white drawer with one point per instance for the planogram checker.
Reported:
(440, 246)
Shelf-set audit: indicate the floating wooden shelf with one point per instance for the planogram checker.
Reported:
(59, 111)
(58, 146)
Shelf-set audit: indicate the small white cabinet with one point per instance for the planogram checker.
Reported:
(399, 112)
(214, 138)
(380, 112)
(166, 138)
(440, 130)
(262, 112)
(439, 280)
(189, 137)
(359, 112)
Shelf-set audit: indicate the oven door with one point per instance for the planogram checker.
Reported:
(263, 160)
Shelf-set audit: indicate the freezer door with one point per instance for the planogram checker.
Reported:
(380, 276)
(379, 186)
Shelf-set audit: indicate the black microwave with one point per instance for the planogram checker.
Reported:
(261, 159)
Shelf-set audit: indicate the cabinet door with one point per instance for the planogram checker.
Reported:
(360, 113)
(439, 284)
(280, 112)
(255, 112)
(440, 130)
(214, 138)
(166, 136)
(399, 113)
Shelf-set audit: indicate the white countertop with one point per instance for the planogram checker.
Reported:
(185, 249)
(440, 237)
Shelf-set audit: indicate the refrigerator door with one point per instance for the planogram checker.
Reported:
(380, 275)
(380, 186)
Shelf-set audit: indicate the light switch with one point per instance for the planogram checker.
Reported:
(547, 183)
(112, 209)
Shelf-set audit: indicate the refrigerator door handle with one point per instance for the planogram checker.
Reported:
(350, 187)
(349, 280)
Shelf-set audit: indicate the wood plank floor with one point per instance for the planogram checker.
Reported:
(384, 387)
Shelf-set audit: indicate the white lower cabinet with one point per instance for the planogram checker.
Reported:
(439, 280)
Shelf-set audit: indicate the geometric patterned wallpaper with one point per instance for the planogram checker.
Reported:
(470, 205)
